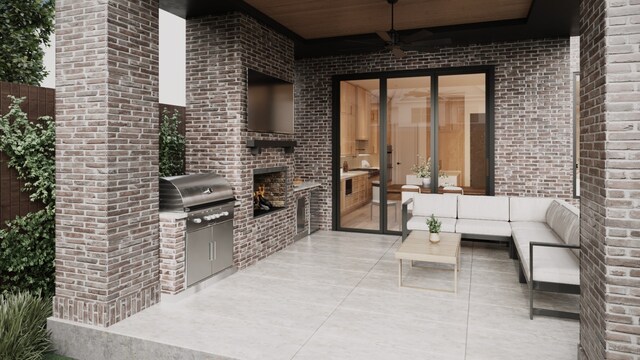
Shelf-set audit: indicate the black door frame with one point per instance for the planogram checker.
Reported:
(489, 72)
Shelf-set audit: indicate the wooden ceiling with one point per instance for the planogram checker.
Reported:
(315, 19)
(339, 27)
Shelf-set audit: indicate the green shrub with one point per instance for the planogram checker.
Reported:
(27, 244)
(23, 332)
(172, 145)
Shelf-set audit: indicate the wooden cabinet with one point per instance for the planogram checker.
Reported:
(348, 100)
(363, 111)
(374, 130)
(360, 193)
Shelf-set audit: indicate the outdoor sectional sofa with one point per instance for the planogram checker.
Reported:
(543, 233)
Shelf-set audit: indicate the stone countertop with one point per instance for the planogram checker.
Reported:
(306, 185)
(352, 174)
(168, 215)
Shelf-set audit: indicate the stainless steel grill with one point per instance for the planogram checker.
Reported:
(208, 201)
(185, 192)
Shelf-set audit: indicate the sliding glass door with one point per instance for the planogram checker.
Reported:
(425, 132)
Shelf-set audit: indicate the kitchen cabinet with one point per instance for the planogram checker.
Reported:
(363, 111)
(374, 130)
(348, 111)
(360, 193)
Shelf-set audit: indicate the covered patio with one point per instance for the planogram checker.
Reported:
(335, 295)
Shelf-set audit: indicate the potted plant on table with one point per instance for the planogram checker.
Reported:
(423, 170)
(434, 229)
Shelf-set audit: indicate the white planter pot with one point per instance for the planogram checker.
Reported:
(434, 237)
(426, 182)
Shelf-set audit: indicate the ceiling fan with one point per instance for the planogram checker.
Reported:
(418, 41)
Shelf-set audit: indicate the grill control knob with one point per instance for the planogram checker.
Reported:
(226, 213)
(215, 216)
(197, 220)
(209, 217)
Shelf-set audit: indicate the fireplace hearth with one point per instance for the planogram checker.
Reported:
(269, 190)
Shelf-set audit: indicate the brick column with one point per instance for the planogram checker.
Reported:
(610, 179)
(107, 252)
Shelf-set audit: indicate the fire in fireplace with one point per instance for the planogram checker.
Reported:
(269, 190)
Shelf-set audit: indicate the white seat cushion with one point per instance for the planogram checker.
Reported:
(420, 223)
(528, 225)
(483, 207)
(528, 208)
(554, 265)
(439, 205)
(483, 227)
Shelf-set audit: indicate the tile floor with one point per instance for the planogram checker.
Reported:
(335, 296)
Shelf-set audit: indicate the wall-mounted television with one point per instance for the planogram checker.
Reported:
(270, 104)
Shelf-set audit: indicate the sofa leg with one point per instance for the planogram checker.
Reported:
(521, 277)
(531, 300)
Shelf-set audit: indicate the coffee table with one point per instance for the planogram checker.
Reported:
(417, 247)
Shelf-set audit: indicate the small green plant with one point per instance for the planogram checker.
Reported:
(27, 244)
(434, 224)
(172, 145)
(23, 326)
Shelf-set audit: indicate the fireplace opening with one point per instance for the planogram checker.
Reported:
(269, 190)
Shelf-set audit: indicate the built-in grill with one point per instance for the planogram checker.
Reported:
(208, 201)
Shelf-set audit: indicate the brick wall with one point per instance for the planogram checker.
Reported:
(219, 51)
(106, 159)
(533, 112)
(172, 253)
(610, 192)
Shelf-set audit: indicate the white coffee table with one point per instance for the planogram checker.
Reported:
(417, 247)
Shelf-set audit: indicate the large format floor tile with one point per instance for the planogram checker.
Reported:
(335, 295)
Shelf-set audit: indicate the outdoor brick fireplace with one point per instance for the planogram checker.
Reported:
(269, 190)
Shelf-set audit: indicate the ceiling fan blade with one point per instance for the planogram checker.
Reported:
(384, 35)
(427, 44)
(417, 36)
(397, 52)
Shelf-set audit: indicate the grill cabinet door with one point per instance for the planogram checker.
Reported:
(223, 239)
(198, 260)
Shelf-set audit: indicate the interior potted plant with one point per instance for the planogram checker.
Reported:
(423, 170)
(434, 229)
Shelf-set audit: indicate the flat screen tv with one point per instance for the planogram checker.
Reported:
(270, 104)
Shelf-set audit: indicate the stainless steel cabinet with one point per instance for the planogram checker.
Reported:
(209, 250)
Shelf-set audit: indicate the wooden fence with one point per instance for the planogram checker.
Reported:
(39, 102)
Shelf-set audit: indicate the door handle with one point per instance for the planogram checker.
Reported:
(210, 251)
(215, 250)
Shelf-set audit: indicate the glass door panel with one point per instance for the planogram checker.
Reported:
(359, 200)
(462, 140)
(408, 142)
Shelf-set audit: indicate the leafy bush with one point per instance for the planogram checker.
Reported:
(23, 321)
(24, 26)
(27, 245)
(172, 145)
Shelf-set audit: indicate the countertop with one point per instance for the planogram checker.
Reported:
(306, 185)
(352, 174)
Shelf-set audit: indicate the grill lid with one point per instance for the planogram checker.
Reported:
(179, 193)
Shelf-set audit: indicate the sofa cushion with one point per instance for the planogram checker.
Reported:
(528, 225)
(439, 205)
(564, 221)
(483, 207)
(528, 208)
(555, 265)
(420, 223)
(483, 227)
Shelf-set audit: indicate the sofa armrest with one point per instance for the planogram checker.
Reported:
(405, 218)
(543, 244)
